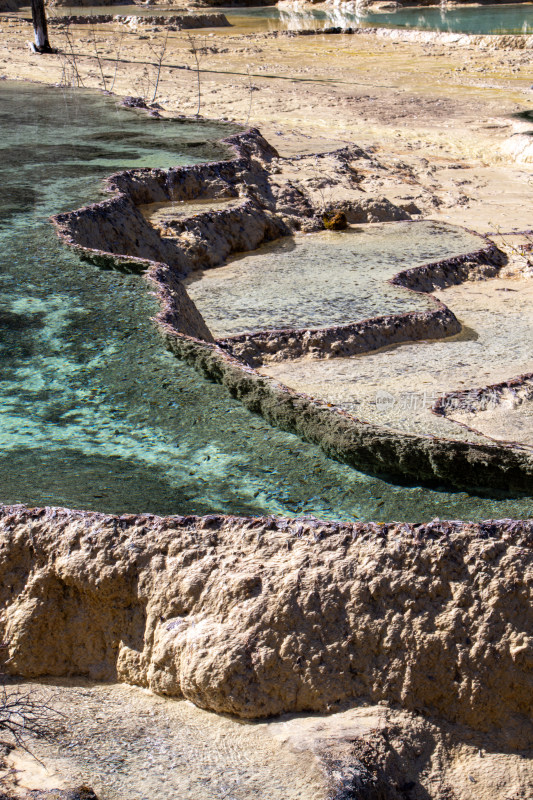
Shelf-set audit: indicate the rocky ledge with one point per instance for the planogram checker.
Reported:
(256, 617)
(174, 21)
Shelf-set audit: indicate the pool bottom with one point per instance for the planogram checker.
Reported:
(322, 280)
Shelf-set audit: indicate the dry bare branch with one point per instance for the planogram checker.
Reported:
(159, 55)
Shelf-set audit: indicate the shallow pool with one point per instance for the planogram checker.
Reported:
(94, 413)
(161, 215)
(484, 19)
(324, 279)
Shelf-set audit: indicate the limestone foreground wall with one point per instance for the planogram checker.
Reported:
(256, 617)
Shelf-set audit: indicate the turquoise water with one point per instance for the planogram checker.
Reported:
(94, 413)
(489, 19)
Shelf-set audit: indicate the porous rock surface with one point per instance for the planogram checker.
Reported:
(500, 409)
(491, 41)
(117, 227)
(181, 21)
(255, 617)
(257, 349)
(82, 3)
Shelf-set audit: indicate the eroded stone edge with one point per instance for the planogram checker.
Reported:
(469, 399)
(364, 336)
(516, 41)
(261, 616)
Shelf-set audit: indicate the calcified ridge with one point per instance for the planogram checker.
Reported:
(256, 617)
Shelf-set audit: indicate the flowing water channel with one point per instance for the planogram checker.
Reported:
(94, 413)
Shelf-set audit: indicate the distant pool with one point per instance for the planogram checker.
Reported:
(489, 19)
(514, 18)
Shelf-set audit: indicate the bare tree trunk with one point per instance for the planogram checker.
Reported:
(38, 15)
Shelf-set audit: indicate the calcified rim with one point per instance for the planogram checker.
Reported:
(474, 399)
(130, 578)
(185, 21)
(363, 445)
(514, 41)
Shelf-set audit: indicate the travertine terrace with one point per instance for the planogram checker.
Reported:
(251, 364)
(402, 651)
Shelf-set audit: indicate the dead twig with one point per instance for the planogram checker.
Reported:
(99, 60)
(159, 55)
(118, 49)
(196, 52)
(250, 90)
(24, 714)
(69, 59)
